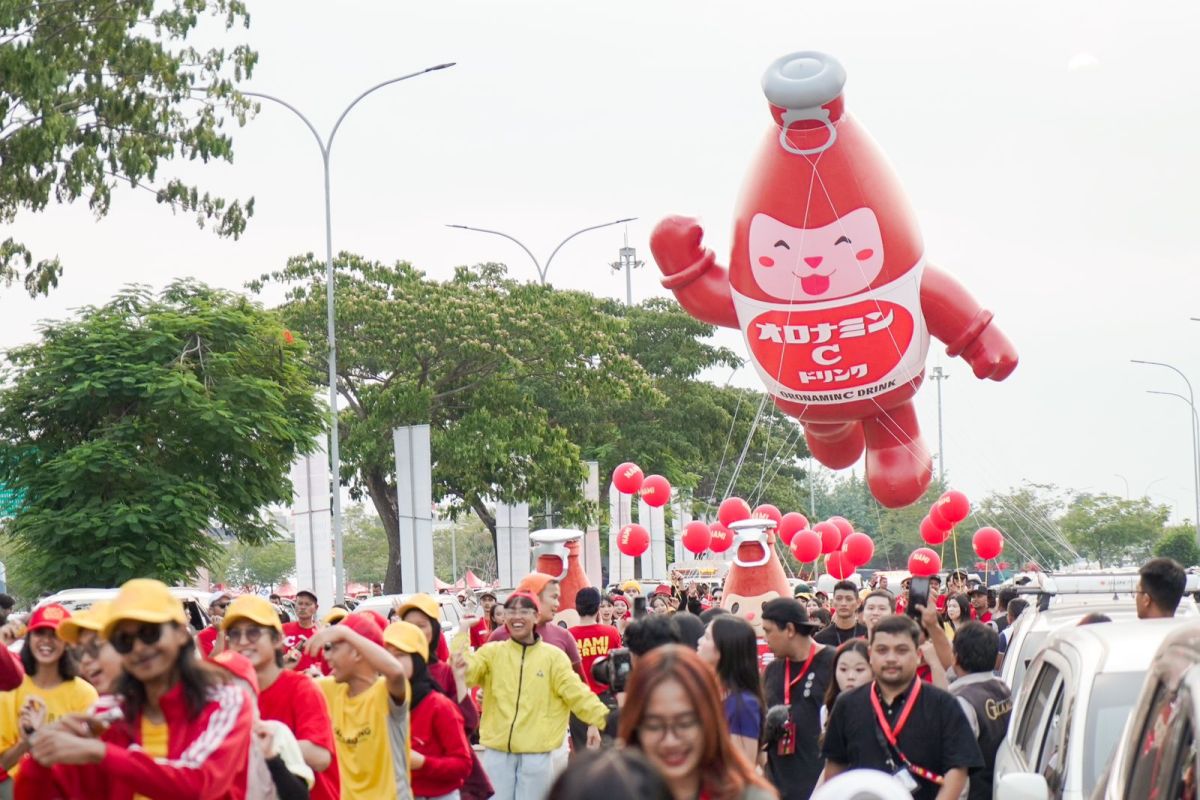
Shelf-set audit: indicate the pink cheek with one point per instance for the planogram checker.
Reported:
(766, 261)
(863, 255)
(750, 617)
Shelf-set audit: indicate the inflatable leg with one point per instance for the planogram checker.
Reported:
(837, 445)
(899, 467)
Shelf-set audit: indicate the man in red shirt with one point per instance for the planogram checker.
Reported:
(296, 634)
(594, 640)
(481, 630)
(207, 638)
(252, 629)
(980, 605)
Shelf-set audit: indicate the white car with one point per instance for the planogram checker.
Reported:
(452, 612)
(195, 601)
(1069, 712)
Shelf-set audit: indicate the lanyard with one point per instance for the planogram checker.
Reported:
(887, 729)
(788, 683)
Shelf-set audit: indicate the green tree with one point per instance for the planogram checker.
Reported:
(472, 542)
(1111, 530)
(364, 545)
(1179, 542)
(98, 93)
(1029, 517)
(253, 566)
(140, 424)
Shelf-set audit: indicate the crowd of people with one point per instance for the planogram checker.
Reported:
(639, 700)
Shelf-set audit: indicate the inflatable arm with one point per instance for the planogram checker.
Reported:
(691, 271)
(955, 318)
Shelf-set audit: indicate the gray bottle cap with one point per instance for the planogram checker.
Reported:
(807, 79)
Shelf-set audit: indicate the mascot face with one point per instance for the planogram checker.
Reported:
(812, 264)
(748, 608)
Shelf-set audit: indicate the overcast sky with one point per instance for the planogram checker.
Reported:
(1050, 150)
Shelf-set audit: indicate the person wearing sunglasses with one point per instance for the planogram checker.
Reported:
(181, 731)
(252, 630)
(99, 663)
(368, 697)
(50, 688)
(209, 640)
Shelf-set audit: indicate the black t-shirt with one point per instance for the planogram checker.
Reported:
(936, 736)
(795, 775)
(834, 636)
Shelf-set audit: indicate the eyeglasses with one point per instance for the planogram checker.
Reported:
(122, 641)
(520, 612)
(251, 633)
(90, 650)
(656, 728)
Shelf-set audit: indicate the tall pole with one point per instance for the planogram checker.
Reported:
(1191, 401)
(939, 375)
(627, 260)
(542, 271)
(335, 460)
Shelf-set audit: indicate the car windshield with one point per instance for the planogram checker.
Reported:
(1113, 696)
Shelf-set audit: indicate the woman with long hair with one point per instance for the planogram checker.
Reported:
(851, 669)
(607, 611)
(957, 614)
(673, 714)
(180, 730)
(730, 647)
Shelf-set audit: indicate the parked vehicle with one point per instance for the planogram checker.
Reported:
(195, 601)
(452, 612)
(1070, 710)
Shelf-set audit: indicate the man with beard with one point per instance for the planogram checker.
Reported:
(901, 725)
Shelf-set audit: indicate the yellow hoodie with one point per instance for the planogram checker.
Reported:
(529, 692)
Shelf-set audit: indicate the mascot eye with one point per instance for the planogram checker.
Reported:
(840, 240)
(783, 244)
(735, 608)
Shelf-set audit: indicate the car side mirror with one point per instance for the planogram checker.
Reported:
(1022, 786)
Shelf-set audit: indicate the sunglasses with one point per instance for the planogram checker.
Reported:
(147, 634)
(250, 634)
(90, 650)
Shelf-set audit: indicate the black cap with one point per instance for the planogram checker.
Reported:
(785, 610)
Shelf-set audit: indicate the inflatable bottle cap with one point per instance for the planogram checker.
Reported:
(800, 83)
(751, 531)
(552, 542)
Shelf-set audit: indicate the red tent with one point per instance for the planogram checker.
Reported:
(472, 580)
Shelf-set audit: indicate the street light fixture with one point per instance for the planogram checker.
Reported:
(335, 466)
(542, 271)
(1191, 401)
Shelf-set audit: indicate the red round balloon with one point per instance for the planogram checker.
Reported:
(859, 548)
(838, 565)
(831, 536)
(932, 534)
(721, 538)
(696, 537)
(733, 509)
(936, 517)
(656, 491)
(633, 540)
(791, 524)
(628, 478)
(806, 546)
(843, 525)
(954, 506)
(924, 562)
(768, 511)
(988, 543)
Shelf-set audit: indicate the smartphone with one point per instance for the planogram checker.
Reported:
(639, 606)
(918, 595)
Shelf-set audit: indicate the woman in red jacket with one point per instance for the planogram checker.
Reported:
(179, 730)
(441, 755)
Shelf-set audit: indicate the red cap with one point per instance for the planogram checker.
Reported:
(662, 588)
(238, 665)
(48, 616)
(365, 625)
(528, 595)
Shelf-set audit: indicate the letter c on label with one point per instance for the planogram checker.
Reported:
(827, 355)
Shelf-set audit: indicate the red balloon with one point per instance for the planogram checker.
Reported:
(656, 491)
(859, 548)
(931, 533)
(843, 525)
(733, 509)
(791, 524)
(936, 517)
(806, 546)
(924, 562)
(633, 540)
(696, 537)
(839, 565)
(721, 538)
(628, 478)
(768, 511)
(988, 543)
(831, 536)
(954, 506)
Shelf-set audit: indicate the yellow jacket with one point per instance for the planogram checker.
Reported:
(528, 694)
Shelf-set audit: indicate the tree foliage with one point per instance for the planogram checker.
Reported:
(472, 542)
(1179, 542)
(364, 545)
(1111, 530)
(1029, 517)
(96, 93)
(255, 566)
(140, 424)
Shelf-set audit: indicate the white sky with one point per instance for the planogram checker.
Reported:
(1049, 149)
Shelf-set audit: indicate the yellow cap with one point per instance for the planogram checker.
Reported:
(423, 603)
(631, 586)
(254, 608)
(90, 619)
(407, 638)
(143, 600)
(335, 616)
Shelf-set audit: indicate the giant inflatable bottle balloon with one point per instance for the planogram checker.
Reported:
(829, 283)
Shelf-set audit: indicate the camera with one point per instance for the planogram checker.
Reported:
(613, 669)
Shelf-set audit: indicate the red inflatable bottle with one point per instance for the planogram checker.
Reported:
(829, 284)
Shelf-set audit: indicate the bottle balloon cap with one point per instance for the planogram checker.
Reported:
(807, 79)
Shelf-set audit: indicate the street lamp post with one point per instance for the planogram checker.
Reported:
(326, 146)
(1191, 401)
(542, 271)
